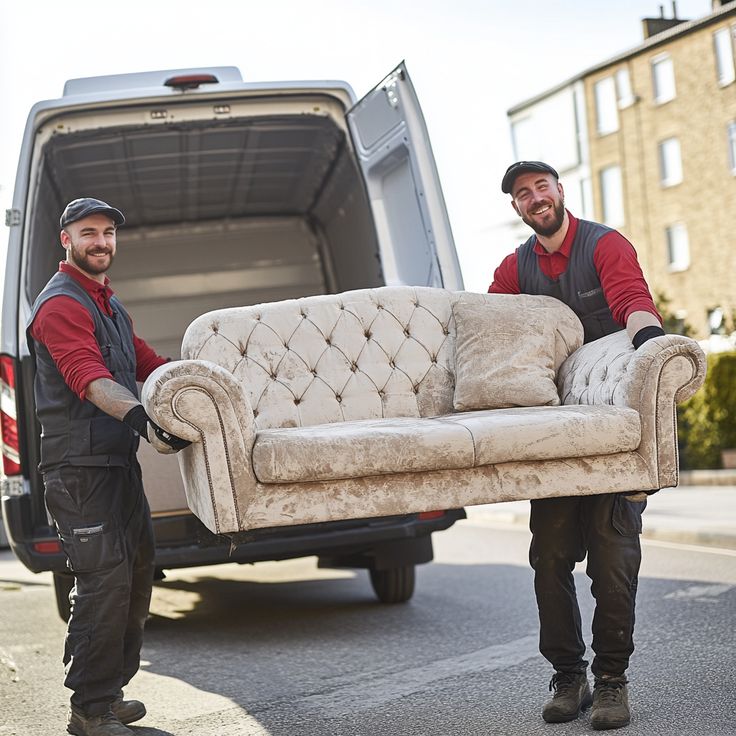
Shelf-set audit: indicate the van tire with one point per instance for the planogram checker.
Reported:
(63, 585)
(394, 585)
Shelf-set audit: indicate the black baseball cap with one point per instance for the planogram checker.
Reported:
(80, 208)
(521, 167)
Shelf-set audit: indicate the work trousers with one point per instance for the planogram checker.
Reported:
(104, 522)
(606, 528)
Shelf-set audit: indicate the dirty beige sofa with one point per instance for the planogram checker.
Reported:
(399, 399)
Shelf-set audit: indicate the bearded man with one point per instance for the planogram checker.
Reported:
(88, 360)
(594, 270)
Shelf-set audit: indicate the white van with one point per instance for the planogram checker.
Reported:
(234, 193)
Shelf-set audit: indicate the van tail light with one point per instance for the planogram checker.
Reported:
(190, 81)
(427, 515)
(9, 417)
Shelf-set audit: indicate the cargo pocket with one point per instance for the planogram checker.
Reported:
(626, 517)
(93, 547)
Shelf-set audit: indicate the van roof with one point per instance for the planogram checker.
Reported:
(139, 80)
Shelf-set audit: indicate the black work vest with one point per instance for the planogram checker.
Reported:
(579, 286)
(76, 432)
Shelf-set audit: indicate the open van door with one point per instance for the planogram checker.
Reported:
(392, 145)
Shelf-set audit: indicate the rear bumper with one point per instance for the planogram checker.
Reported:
(183, 541)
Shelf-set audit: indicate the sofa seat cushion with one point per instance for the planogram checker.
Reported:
(550, 432)
(359, 448)
(464, 440)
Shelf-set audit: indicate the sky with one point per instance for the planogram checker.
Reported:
(469, 60)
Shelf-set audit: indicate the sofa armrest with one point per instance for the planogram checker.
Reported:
(202, 402)
(661, 373)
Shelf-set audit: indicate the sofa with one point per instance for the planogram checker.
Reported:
(399, 400)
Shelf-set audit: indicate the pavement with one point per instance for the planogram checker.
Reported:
(701, 511)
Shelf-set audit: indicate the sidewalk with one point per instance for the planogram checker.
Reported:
(703, 514)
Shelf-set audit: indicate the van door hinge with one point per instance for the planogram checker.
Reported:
(12, 217)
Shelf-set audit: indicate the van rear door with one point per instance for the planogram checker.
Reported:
(392, 145)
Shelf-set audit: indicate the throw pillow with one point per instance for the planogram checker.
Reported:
(503, 362)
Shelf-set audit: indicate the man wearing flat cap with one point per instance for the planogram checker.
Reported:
(88, 360)
(594, 270)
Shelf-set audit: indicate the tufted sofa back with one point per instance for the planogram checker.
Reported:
(368, 354)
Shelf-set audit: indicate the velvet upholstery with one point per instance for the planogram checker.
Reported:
(341, 406)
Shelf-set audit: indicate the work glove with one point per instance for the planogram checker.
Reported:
(646, 333)
(161, 440)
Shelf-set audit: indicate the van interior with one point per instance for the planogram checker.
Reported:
(219, 213)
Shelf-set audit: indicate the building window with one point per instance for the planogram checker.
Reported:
(612, 196)
(732, 145)
(678, 247)
(663, 78)
(623, 88)
(670, 162)
(723, 46)
(606, 109)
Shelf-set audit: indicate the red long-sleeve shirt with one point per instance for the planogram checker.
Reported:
(624, 286)
(66, 328)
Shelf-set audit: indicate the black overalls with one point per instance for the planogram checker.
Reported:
(604, 527)
(95, 495)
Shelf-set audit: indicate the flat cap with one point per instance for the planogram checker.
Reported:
(79, 208)
(521, 167)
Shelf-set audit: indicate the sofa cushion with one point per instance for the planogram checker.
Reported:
(376, 447)
(503, 357)
(549, 433)
(364, 447)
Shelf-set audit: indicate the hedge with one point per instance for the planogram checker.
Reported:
(706, 423)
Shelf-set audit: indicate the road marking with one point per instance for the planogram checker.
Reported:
(373, 693)
(690, 547)
(707, 593)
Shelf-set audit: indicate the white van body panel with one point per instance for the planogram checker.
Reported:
(392, 144)
(217, 213)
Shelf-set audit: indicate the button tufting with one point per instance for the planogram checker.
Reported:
(392, 364)
(314, 371)
(215, 328)
(406, 332)
(257, 318)
(297, 401)
(338, 398)
(415, 389)
(328, 341)
(380, 306)
(273, 376)
(354, 367)
(367, 334)
(445, 331)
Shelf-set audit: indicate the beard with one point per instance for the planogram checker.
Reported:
(558, 209)
(83, 261)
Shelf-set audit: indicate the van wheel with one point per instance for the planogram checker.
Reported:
(63, 585)
(395, 585)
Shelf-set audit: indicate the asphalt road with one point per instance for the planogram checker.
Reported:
(285, 649)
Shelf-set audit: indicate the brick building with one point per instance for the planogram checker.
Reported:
(661, 152)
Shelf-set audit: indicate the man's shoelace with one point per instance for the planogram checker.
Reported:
(610, 692)
(561, 682)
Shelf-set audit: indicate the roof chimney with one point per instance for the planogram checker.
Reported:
(653, 26)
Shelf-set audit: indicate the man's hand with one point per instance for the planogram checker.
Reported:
(161, 440)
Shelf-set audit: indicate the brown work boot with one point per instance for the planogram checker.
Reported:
(610, 703)
(127, 711)
(572, 695)
(104, 725)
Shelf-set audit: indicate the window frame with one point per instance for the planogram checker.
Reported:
(609, 213)
(725, 68)
(671, 178)
(605, 96)
(677, 262)
(657, 61)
